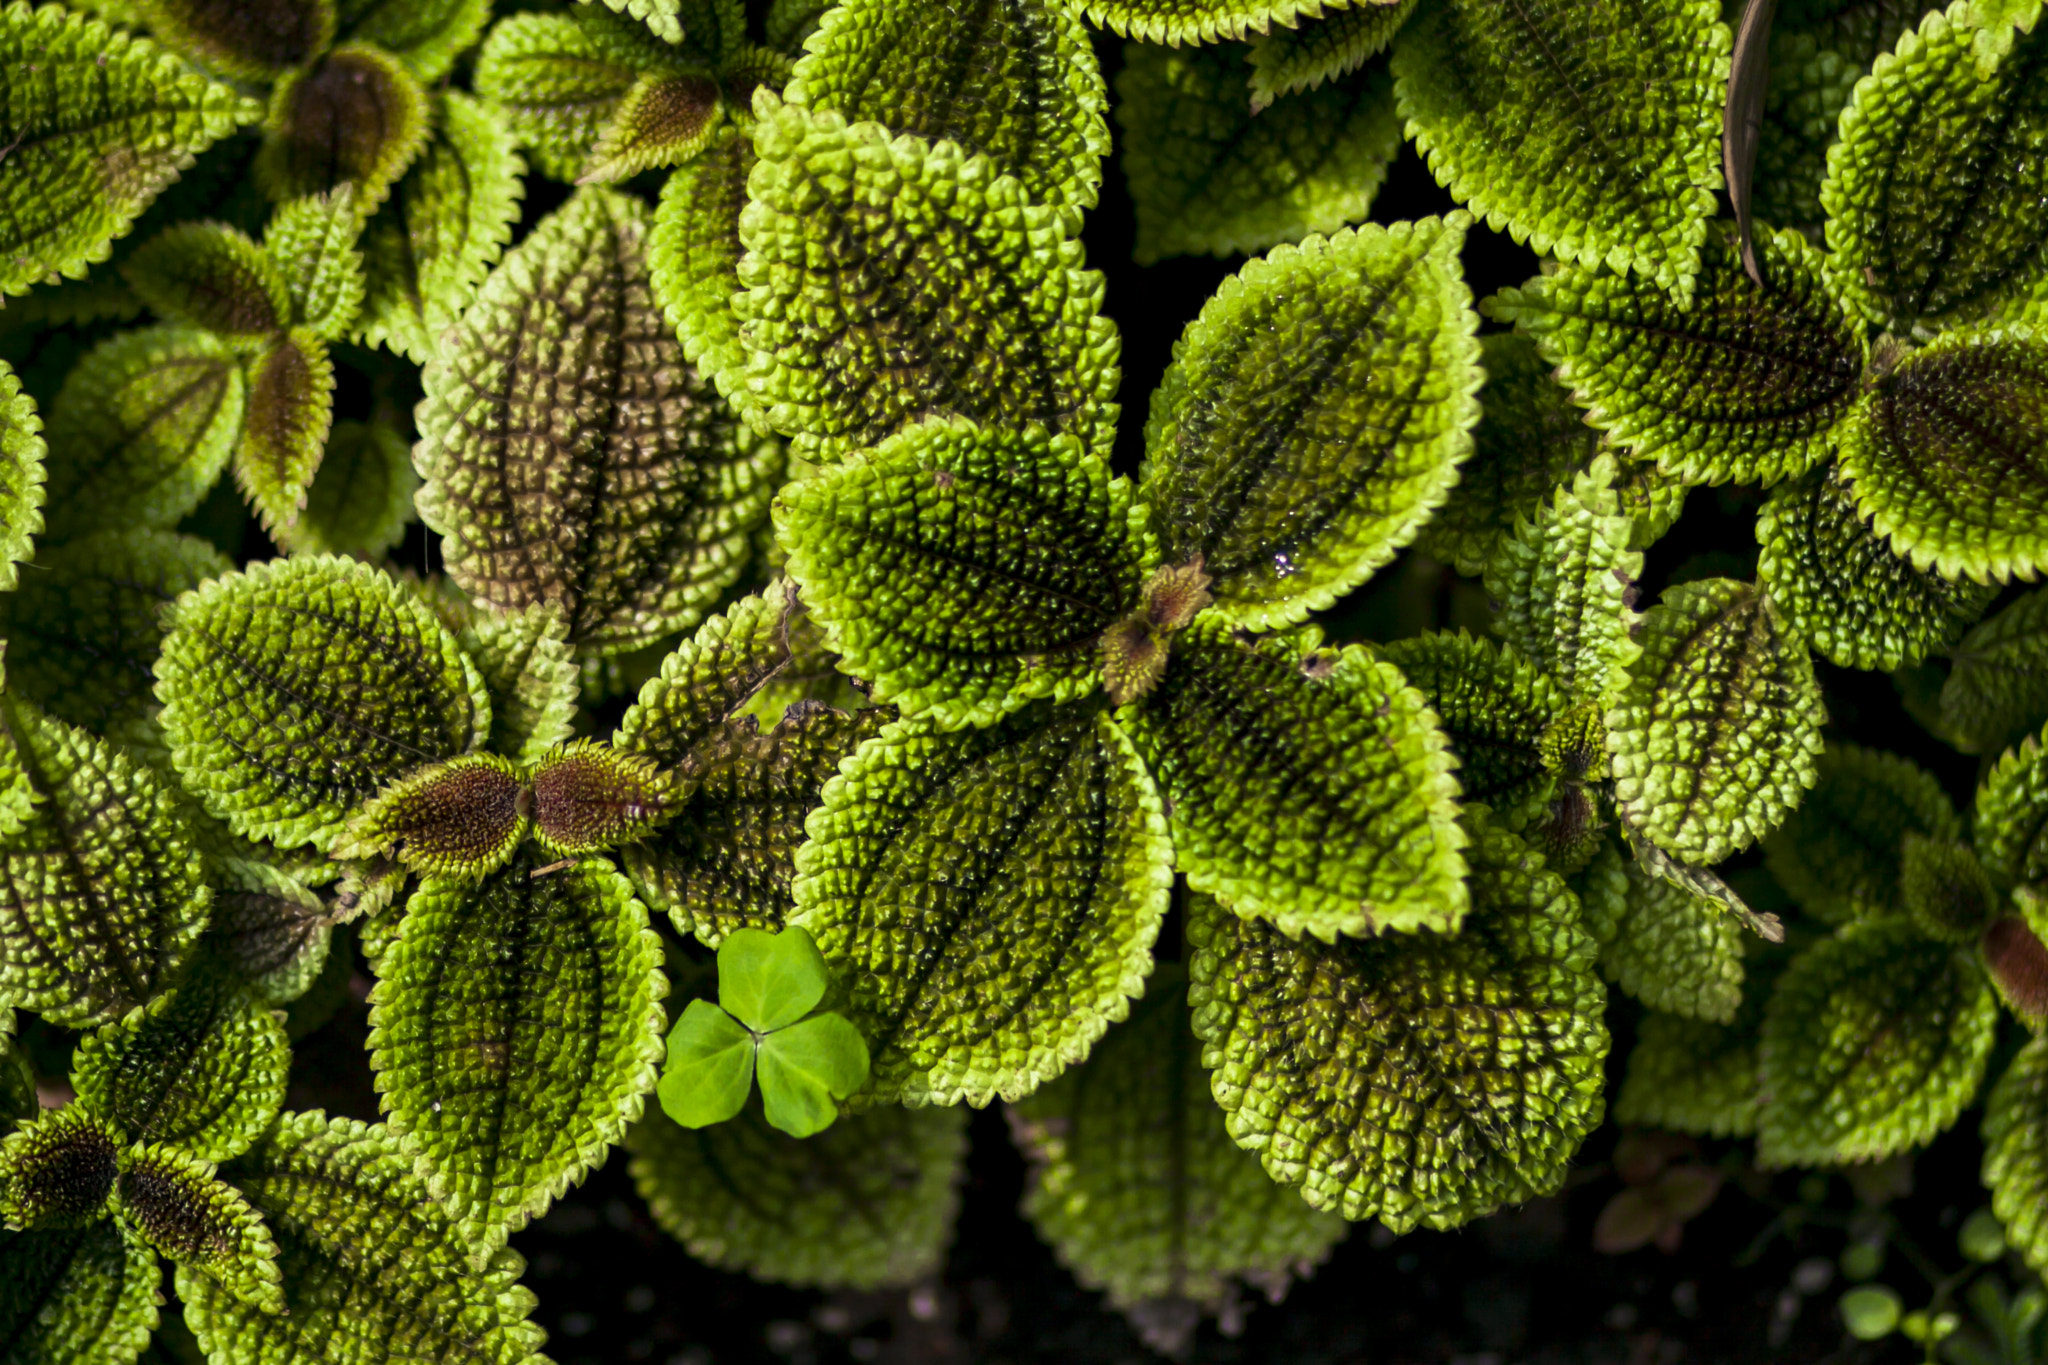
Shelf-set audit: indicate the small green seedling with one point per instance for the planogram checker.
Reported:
(768, 984)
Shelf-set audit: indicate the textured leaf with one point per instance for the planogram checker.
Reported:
(22, 451)
(1136, 1183)
(1676, 952)
(1585, 127)
(515, 1029)
(1874, 1041)
(1997, 689)
(461, 819)
(102, 896)
(447, 220)
(806, 1067)
(201, 1069)
(255, 44)
(1314, 792)
(272, 930)
(709, 678)
(1933, 193)
(1714, 739)
(694, 255)
(1201, 21)
(294, 690)
(1416, 1078)
(356, 117)
(1494, 707)
(1694, 1076)
(1287, 60)
(210, 276)
(571, 456)
(1563, 582)
(1810, 83)
(530, 669)
(82, 631)
(1841, 587)
(1313, 416)
(1944, 889)
(1208, 175)
(1742, 119)
(311, 243)
(2012, 815)
(142, 428)
(663, 119)
(1838, 854)
(2016, 1153)
(868, 263)
(987, 899)
(98, 122)
(284, 432)
(790, 22)
(1946, 455)
(361, 497)
(428, 34)
(710, 1068)
(1744, 384)
(662, 17)
(588, 796)
(83, 1297)
(867, 1203)
(373, 1272)
(966, 572)
(57, 1170)
(1014, 80)
(172, 1201)
(556, 79)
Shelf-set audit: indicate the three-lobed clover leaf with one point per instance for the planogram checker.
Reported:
(768, 986)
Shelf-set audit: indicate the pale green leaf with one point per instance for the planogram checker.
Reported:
(1997, 687)
(806, 1067)
(295, 690)
(1316, 792)
(141, 429)
(98, 122)
(1676, 952)
(663, 119)
(1416, 1078)
(1495, 708)
(530, 669)
(427, 34)
(284, 429)
(2012, 814)
(82, 1297)
(868, 261)
(1744, 384)
(571, 455)
(1838, 853)
(868, 1203)
(694, 254)
(361, 498)
(210, 276)
(709, 1070)
(769, 981)
(2016, 1153)
(311, 244)
(1208, 175)
(1715, 736)
(357, 116)
(171, 1200)
(556, 78)
(965, 572)
(588, 796)
(57, 1170)
(1874, 1041)
(515, 1029)
(22, 453)
(1014, 80)
(987, 899)
(1314, 415)
(1587, 128)
(706, 681)
(253, 43)
(461, 819)
(1202, 21)
(662, 17)
(1288, 60)
(1141, 1192)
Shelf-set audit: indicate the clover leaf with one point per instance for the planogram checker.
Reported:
(768, 984)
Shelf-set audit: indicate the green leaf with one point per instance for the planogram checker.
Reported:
(867, 1203)
(769, 981)
(588, 796)
(171, 1200)
(56, 1171)
(102, 896)
(1933, 191)
(1945, 454)
(1694, 1076)
(448, 219)
(82, 631)
(1315, 792)
(2012, 815)
(22, 453)
(570, 454)
(807, 1066)
(81, 1297)
(1715, 736)
(710, 1068)
(790, 22)
(515, 1029)
(1842, 588)
(2016, 1153)
(373, 1272)
(270, 928)
(694, 255)
(706, 681)
(99, 123)
(869, 259)
(356, 117)
(556, 79)
(1313, 416)
(461, 819)
(255, 43)
(1677, 952)
(1564, 583)
(295, 690)
(141, 429)
(1945, 890)
(1415, 1078)
(209, 276)
(428, 35)
(530, 670)
(1014, 80)
(201, 1069)
(966, 572)
(1838, 854)
(1201, 21)
(1136, 1183)
(284, 434)
(311, 244)
(1874, 1042)
(1208, 175)
(663, 119)
(361, 498)
(987, 899)
(1744, 384)
(1997, 689)
(1288, 60)
(662, 17)
(1585, 127)
(1495, 708)
(1810, 83)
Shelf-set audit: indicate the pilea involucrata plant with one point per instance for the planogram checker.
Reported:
(704, 656)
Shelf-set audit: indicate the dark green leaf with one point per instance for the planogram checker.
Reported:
(82, 1297)
(172, 1201)
(556, 78)
(706, 681)
(1742, 118)
(1288, 60)
(428, 34)
(694, 256)
(1997, 689)
(1677, 952)
(710, 1068)
(1692, 1076)
(1810, 83)
(1494, 707)
(530, 669)
(270, 928)
(210, 276)
(361, 499)
(1838, 853)
(806, 1067)
(56, 1171)
(356, 117)
(284, 430)
(2016, 1153)
(461, 819)
(256, 43)
(2012, 815)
